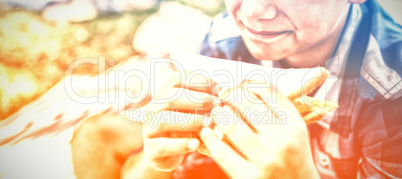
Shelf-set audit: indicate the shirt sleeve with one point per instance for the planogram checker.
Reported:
(380, 136)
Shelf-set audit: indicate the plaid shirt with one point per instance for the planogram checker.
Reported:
(364, 136)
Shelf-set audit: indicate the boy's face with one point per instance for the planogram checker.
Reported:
(277, 29)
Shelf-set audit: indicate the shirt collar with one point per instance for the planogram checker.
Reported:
(383, 78)
(336, 65)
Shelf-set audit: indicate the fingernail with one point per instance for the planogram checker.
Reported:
(216, 89)
(217, 102)
(218, 133)
(205, 132)
(214, 114)
(193, 144)
(206, 122)
(221, 92)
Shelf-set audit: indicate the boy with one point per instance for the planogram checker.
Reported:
(356, 40)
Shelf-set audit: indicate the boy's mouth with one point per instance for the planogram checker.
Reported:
(265, 34)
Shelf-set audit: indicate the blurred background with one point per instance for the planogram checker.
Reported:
(40, 39)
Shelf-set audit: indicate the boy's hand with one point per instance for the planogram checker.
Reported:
(174, 118)
(264, 137)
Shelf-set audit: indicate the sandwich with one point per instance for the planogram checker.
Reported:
(297, 84)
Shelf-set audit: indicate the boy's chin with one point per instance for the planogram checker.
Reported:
(267, 56)
(267, 53)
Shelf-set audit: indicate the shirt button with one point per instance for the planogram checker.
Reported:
(324, 160)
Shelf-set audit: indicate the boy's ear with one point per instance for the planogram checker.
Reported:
(357, 1)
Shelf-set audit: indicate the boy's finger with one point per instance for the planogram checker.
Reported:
(163, 147)
(235, 129)
(281, 109)
(228, 159)
(183, 100)
(170, 121)
(192, 80)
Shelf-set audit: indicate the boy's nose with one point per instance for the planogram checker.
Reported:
(258, 9)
